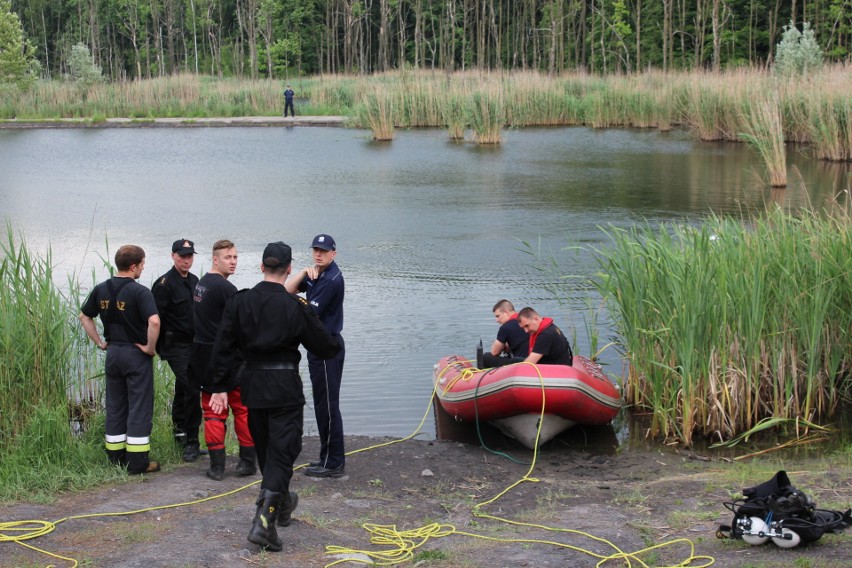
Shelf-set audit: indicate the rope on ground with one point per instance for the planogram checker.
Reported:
(19, 531)
(400, 546)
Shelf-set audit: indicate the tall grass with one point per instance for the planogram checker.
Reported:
(378, 111)
(813, 110)
(35, 338)
(764, 131)
(732, 322)
(485, 117)
(51, 407)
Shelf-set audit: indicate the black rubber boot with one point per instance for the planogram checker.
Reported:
(217, 465)
(191, 452)
(248, 459)
(288, 505)
(191, 449)
(263, 531)
(117, 457)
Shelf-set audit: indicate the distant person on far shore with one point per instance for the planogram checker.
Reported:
(548, 345)
(512, 343)
(288, 102)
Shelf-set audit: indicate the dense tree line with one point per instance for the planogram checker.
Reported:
(278, 38)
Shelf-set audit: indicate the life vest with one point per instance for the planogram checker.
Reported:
(777, 511)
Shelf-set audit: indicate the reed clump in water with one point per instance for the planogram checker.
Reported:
(484, 112)
(729, 323)
(763, 130)
(378, 112)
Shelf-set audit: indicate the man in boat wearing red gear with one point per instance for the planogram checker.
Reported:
(512, 343)
(548, 345)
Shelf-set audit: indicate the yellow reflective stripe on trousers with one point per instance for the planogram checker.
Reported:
(140, 444)
(116, 442)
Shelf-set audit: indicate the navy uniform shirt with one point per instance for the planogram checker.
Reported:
(511, 333)
(325, 295)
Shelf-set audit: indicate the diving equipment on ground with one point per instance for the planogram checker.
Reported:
(778, 512)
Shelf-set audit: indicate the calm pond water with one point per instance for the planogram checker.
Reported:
(430, 233)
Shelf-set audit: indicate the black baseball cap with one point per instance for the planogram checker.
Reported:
(183, 247)
(277, 254)
(324, 242)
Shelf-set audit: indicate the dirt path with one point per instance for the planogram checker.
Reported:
(633, 499)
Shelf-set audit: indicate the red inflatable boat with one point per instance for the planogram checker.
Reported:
(514, 397)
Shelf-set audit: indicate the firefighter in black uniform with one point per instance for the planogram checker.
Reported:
(264, 326)
(131, 326)
(173, 293)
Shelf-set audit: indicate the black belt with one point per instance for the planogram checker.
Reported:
(271, 366)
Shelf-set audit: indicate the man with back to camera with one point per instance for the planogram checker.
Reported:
(323, 286)
(263, 327)
(211, 294)
(131, 326)
(512, 343)
(548, 345)
(173, 293)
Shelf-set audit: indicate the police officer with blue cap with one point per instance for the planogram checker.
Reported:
(322, 284)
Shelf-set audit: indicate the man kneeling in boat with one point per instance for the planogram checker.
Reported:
(548, 345)
(512, 343)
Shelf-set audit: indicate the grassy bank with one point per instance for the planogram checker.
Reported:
(815, 109)
(50, 385)
(732, 322)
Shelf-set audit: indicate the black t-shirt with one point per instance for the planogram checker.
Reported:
(173, 294)
(518, 340)
(211, 294)
(554, 347)
(125, 318)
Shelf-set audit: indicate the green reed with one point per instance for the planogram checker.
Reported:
(763, 130)
(35, 337)
(484, 113)
(378, 111)
(730, 322)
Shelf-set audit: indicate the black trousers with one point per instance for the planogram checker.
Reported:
(326, 376)
(489, 361)
(277, 434)
(289, 104)
(129, 405)
(186, 404)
